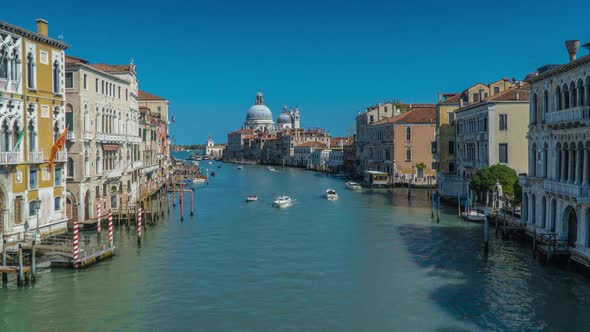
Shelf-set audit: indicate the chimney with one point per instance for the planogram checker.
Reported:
(517, 96)
(42, 27)
(439, 97)
(480, 95)
(572, 48)
(461, 103)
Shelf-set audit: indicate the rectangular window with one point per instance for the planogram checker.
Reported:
(18, 209)
(96, 84)
(57, 176)
(126, 94)
(102, 87)
(33, 179)
(69, 80)
(503, 153)
(476, 97)
(503, 122)
(371, 119)
(408, 134)
(451, 118)
(496, 90)
(119, 93)
(45, 174)
(451, 147)
(451, 167)
(408, 154)
(85, 82)
(57, 205)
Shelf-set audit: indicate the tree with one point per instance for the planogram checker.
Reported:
(420, 165)
(485, 179)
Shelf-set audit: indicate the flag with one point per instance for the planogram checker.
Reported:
(18, 140)
(58, 145)
(172, 119)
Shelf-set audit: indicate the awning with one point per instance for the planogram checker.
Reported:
(110, 147)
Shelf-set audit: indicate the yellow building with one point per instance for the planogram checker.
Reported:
(32, 118)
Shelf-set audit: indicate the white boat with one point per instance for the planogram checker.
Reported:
(251, 198)
(268, 168)
(331, 194)
(210, 163)
(283, 201)
(353, 185)
(474, 216)
(199, 180)
(239, 167)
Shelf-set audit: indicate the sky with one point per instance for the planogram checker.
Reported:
(209, 58)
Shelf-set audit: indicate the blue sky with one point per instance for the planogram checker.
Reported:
(332, 58)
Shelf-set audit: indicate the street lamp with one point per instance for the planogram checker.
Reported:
(37, 207)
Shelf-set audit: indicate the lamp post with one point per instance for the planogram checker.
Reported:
(37, 207)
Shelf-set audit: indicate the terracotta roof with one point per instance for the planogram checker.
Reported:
(246, 131)
(110, 68)
(415, 115)
(454, 99)
(514, 93)
(313, 143)
(73, 59)
(148, 96)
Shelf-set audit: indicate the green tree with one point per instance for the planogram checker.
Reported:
(421, 165)
(485, 179)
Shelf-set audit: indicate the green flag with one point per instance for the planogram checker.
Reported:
(18, 140)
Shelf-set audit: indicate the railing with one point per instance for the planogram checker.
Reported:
(62, 156)
(136, 164)
(571, 115)
(70, 135)
(566, 189)
(134, 139)
(36, 157)
(7, 158)
(87, 135)
(114, 173)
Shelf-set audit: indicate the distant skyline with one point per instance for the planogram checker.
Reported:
(331, 58)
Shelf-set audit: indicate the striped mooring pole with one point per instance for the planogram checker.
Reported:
(76, 248)
(111, 229)
(98, 226)
(139, 225)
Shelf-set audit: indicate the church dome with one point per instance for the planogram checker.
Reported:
(259, 112)
(284, 118)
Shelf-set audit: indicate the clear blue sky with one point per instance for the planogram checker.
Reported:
(332, 58)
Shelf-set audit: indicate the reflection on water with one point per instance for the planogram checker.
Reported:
(370, 261)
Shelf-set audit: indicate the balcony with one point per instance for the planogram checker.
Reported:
(87, 135)
(114, 173)
(62, 156)
(70, 135)
(134, 139)
(36, 157)
(576, 116)
(136, 164)
(10, 158)
(581, 193)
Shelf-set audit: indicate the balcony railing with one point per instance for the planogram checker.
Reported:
(568, 116)
(62, 156)
(114, 173)
(568, 189)
(70, 135)
(136, 164)
(36, 157)
(87, 135)
(10, 158)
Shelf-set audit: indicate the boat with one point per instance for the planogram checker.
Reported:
(474, 216)
(199, 180)
(283, 201)
(331, 195)
(218, 166)
(212, 173)
(271, 169)
(353, 185)
(210, 163)
(251, 198)
(239, 167)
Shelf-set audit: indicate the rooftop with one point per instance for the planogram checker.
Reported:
(148, 96)
(416, 115)
(312, 143)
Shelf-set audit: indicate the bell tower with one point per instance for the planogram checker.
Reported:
(296, 118)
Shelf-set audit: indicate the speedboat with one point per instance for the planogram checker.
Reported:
(474, 216)
(353, 185)
(239, 167)
(331, 194)
(283, 201)
(251, 198)
(271, 169)
(199, 180)
(210, 163)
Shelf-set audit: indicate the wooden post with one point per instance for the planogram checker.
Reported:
(33, 261)
(4, 275)
(21, 275)
(128, 215)
(432, 207)
(409, 188)
(173, 195)
(438, 208)
(139, 226)
(459, 203)
(485, 235)
(534, 241)
(192, 202)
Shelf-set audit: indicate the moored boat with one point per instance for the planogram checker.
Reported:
(271, 169)
(283, 201)
(331, 194)
(251, 198)
(352, 185)
(474, 216)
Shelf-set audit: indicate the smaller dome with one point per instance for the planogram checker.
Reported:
(284, 118)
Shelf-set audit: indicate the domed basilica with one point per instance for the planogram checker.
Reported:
(260, 118)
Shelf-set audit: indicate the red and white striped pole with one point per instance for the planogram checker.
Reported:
(139, 225)
(76, 249)
(98, 225)
(111, 229)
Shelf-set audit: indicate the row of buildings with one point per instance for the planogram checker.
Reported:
(116, 147)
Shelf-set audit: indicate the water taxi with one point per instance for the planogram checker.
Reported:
(352, 185)
(331, 194)
(251, 198)
(283, 201)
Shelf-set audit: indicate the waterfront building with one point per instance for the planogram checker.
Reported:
(213, 150)
(104, 138)
(303, 153)
(556, 189)
(320, 159)
(444, 146)
(349, 158)
(288, 139)
(259, 116)
(237, 142)
(400, 144)
(289, 118)
(336, 161)
(32, 118)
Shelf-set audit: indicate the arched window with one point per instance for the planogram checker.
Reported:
(558, 99)
(582, 92)
(70, 117)
(4, 62)
(534, 109)
(57, 205)
(408, 134)
(5, 136)
(14, 65)
(56, 132)
(56, 77)
(30, 71)
(70, 168)
(566, 97)
(86, 164)
(32, 136)
(86, 127)
(545, 102)
(573, 95)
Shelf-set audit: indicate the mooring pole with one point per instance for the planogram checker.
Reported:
(4, 275)
(459, 203)
(486, 234)
(21, 276)
(192, 202)
(438, 208)
(33, 261)
(139, 226)
(173, 195)
(432, 206)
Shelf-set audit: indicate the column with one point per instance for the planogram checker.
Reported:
(558, 220)
(585, 168)
(563, 168)
(530, 216)
(570, 166)
(548, 214)
(581, 231)
(579, 156)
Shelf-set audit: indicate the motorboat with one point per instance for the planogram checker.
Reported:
(473, 215)
(283, 201)
(251, 198)
(352, 185)
(331, 195)
(210, 163)
(271, 169)
(239, 167)
(199, 180)
(218, 166)
(212, 173)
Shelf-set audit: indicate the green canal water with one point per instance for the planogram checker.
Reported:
(371, 261)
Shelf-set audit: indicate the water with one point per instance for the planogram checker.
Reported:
(370, 261)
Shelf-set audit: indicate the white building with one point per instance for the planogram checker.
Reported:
(213, 150)
(556, 192)
(259, 116)
(320, 159)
